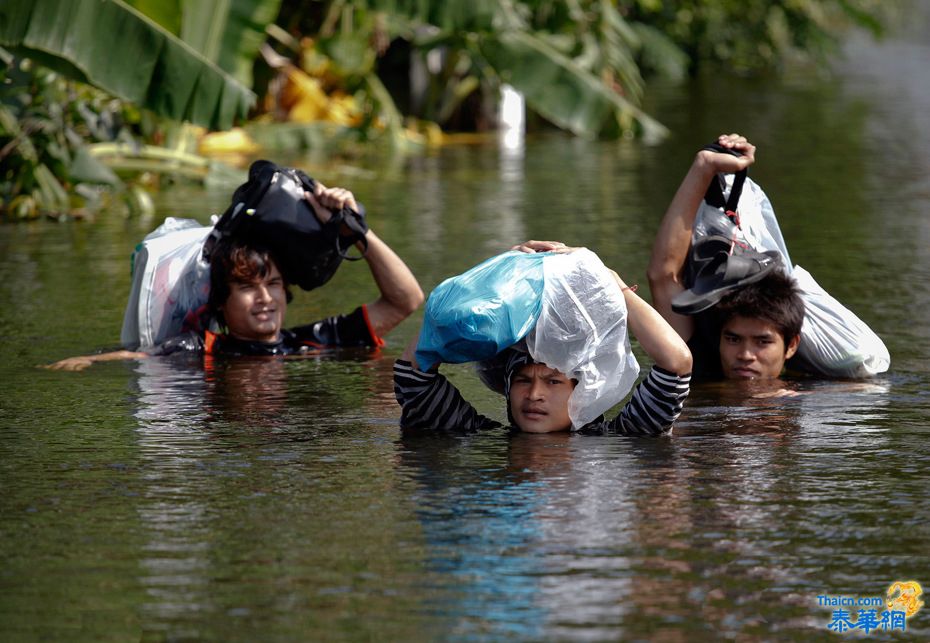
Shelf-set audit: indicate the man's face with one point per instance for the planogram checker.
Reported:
(255, 309)
(752, 348)
(539, 399)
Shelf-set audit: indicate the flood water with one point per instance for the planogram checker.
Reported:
(277, 500)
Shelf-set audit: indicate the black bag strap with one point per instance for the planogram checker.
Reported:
(714, 194)
(355, 222)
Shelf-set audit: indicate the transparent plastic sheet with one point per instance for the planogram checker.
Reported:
(476, 315)
(834, 341)
(582, 332)
(170, 285)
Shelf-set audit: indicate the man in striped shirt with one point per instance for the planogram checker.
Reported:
(537, 396)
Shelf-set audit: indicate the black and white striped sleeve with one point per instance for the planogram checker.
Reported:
(655, 405)
(429, 401)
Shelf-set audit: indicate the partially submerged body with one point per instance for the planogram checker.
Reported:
(249, 299)
(751, 333)
(430, 402)
(537, 395)
(719, 273)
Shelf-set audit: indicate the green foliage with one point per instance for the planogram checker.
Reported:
(752, 35)
(110, 45)
(559, 88)
(44, 123)
(581, 64)
(47, 123)
(226, 32)
(574, 60)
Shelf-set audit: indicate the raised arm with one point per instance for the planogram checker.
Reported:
(410, 354)
(673, 240)
(400, 291)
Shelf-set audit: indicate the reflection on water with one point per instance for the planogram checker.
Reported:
(732, 527)
(672, 537)
(249, 502)
(275, 499)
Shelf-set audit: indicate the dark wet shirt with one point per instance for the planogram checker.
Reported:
(353, 329)
(429, 401)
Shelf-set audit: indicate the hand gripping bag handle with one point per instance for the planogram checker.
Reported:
(250, 194)
(714, 194)
(354, 221)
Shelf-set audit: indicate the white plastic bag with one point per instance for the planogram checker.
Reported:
(582, 332)
(170, 285)
(834, 341)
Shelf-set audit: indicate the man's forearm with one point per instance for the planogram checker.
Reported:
(670, 249)
(400, 292)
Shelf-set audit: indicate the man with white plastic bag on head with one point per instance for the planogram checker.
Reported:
(548, 327)
(721, 275)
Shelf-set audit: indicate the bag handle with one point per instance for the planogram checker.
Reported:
(355, 222)
(251, 192)
(714, 194)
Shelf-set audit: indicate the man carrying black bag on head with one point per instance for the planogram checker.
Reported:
(284, 228)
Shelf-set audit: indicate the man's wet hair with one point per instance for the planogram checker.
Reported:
(774, 299)
(237, 261)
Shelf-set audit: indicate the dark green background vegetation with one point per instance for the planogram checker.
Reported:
(80, 72)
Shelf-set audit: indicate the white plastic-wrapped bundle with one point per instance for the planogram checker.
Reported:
(582, 332)
(170, 284)
(834, 341)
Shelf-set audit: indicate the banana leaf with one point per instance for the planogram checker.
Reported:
(227, 32)
(166, 13)
(110, 45)
(559, 89)
(244, 35)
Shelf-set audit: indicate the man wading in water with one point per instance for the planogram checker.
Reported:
(249, 297)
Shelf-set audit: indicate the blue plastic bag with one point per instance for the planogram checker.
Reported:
(475, 315)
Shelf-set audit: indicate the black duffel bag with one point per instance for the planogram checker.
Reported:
(270, 210)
